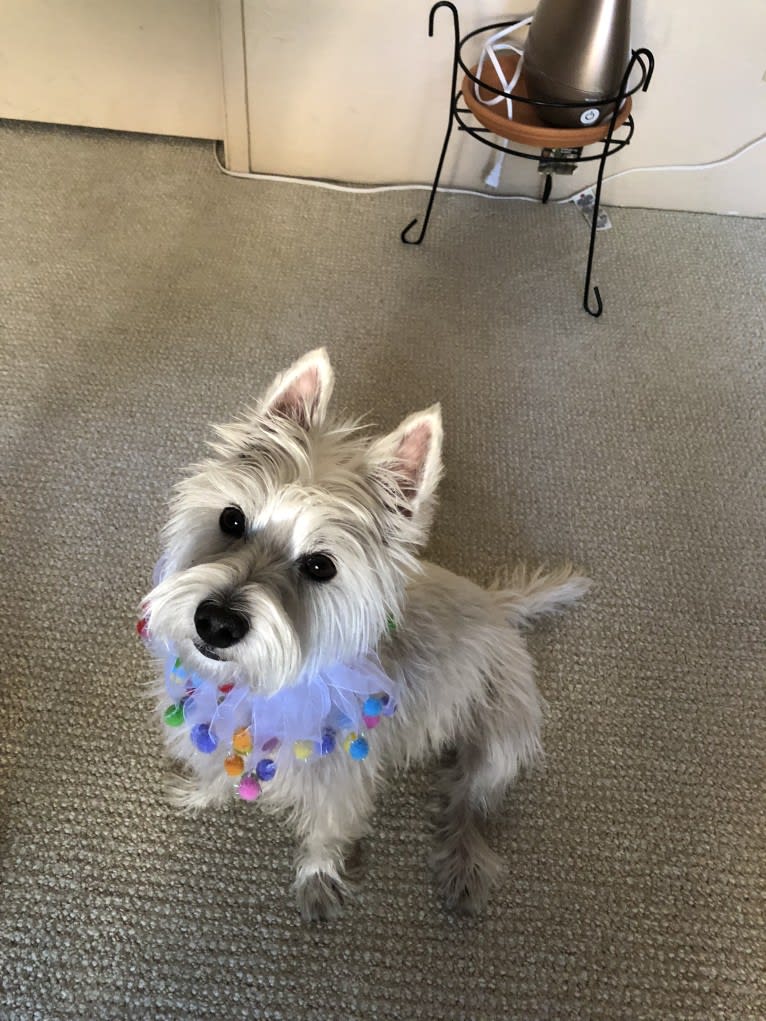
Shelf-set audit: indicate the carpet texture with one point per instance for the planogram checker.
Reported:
(146, 295)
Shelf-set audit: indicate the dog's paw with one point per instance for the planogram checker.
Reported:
(468, 894)
(320, 897)
(465, 875)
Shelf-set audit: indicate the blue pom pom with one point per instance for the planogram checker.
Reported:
(328, 743)
(266, 769)
(389, 706)
(179, 672)
(359, 748)
(372, 706)
(202, 739)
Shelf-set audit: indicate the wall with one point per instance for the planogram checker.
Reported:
(131, 65)
(357, 91)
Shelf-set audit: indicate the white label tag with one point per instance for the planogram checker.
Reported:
(585, 202)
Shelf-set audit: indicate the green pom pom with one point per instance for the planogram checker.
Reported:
(174, 715)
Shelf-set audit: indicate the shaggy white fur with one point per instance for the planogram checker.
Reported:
(309, 496)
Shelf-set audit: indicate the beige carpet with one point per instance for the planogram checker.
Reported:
(145, 295)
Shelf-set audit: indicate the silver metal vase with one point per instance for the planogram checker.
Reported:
(577, 52)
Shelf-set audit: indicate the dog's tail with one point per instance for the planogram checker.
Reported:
(529, 595)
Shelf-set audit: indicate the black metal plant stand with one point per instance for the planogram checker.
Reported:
(612, 141)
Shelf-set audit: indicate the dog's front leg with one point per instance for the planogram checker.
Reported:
(331, 816)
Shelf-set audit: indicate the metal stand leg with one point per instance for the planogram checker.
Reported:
(592, 244)
(416, 241)
(601, 164)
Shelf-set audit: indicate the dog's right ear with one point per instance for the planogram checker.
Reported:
(410, 457)
(303, 392)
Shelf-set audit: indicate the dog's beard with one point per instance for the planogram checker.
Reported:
(288, 635)
(268, 657)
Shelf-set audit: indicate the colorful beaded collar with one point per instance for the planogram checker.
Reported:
(337, 707)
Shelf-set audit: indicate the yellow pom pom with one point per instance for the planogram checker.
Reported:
(303, 750)
(234, 765)
(242, 741)
(349, 739)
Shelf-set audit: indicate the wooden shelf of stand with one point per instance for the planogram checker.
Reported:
(526, 126)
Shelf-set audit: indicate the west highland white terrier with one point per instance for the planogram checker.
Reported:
(307, 653)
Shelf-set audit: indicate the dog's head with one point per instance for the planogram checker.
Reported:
(290, 547)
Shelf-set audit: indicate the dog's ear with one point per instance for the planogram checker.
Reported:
(412, 454)
(303, 392)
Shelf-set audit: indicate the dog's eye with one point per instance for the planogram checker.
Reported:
(232, 522)
(318, 567)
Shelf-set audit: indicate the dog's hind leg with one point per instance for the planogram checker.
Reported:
(465, 867)
(503, 736)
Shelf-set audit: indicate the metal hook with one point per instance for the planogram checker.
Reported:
(647, 73)
(434, 9)
(406, 231)
(599, 303)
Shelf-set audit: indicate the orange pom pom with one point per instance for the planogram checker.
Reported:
(242, 741)
(234, 765)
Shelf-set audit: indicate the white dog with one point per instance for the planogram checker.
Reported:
(307, 652)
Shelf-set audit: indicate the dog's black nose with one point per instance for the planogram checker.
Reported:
(218, 625)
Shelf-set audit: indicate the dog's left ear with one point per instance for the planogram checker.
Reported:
(413, 455)
(303, 392)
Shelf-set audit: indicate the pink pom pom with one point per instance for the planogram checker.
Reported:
(249, 789)
(371, 721)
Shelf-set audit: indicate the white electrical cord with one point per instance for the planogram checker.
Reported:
(359, 189)
(377, 189)
(490, 49)
(680, 166)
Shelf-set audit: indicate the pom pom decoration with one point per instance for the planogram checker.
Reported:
(359, 749)
(303, 750)
(202, 739)
(234, 765)
(174, 715)
(249, 789)
(266, 769)
(256, 735)
(389, 705)
(242, 742)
